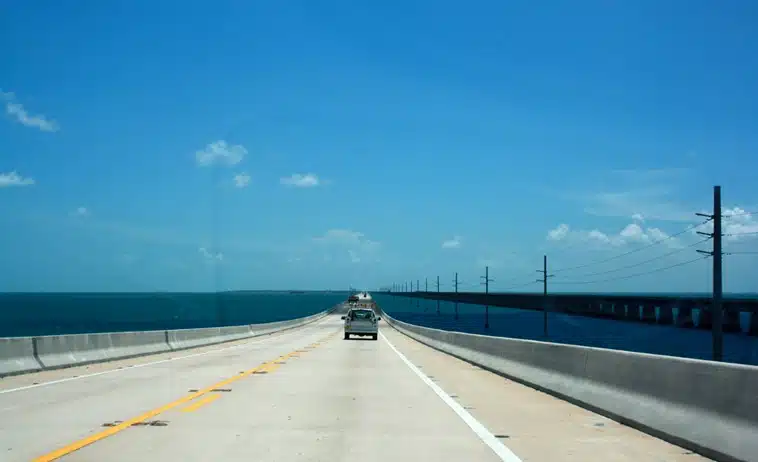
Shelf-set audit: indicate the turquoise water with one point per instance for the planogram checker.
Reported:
(46, 314)
(69, 313)
(576, 330)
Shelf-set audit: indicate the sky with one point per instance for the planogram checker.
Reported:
(230, 145)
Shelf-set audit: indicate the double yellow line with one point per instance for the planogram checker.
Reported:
(268, 366)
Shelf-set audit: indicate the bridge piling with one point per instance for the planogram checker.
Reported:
(705, 316)
(731, 320)
(632, 312)
(648, 313)
(619, 311)
(665, 314)
(684, 317)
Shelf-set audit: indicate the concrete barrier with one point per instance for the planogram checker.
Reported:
(705, 406)
(182, 339)
(19, 355)
(57, 351)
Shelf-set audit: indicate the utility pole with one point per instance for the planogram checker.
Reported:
(417, 286)
(487, 281)
(717, 314)
(544, 292)
(418, 301)
(456, 296)
(438, 295)
(426, 284)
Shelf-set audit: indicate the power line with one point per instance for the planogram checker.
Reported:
(600, 273)
(456, 291)
(438, 291)
(717, 271)
(469, 285)
(486, 281)
(689, 228)
(518, 286)
(512, 279)
(544, 279)
(634, 275)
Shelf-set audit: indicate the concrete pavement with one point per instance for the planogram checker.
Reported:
(304, 395)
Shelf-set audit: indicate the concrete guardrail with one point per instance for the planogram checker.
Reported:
(20, 355)
(708, 407)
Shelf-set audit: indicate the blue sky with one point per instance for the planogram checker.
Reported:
(269, 145)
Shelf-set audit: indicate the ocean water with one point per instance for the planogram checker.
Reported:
(570, 329)
(69, 313)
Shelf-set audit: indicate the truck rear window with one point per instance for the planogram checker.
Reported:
(361, 314)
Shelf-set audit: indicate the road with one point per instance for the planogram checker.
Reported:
(304, 395)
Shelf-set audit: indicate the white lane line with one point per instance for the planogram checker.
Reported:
(481, 431)
(136, 366)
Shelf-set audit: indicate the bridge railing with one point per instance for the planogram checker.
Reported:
(19, 355)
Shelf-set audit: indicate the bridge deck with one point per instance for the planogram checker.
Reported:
(304, 395)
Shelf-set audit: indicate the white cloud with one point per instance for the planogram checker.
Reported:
(736, 225)
(558, 233)
(307, 180)
(453, 243)
(81, 212)
(632, 233)
(355, 244)
(18, 112)
(354, 256)
(220, 152)
(638, 217)
(210, 255)
(346, 237)
(14, 179)
(241, 180)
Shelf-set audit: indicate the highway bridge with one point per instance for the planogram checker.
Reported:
(297, 391)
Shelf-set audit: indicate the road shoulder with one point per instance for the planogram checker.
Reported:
(533, 424)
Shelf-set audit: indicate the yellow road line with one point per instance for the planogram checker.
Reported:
(200, 403)
(110, 431)
(271, 367)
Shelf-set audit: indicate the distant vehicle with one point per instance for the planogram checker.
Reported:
(361, 321)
